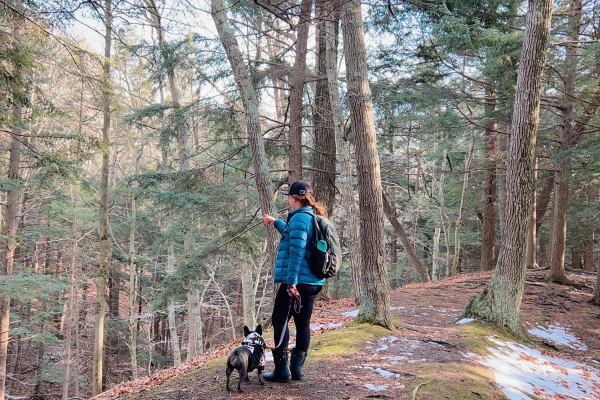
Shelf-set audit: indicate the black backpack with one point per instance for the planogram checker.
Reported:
(324, 264)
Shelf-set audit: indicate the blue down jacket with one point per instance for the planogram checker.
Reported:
(295, 247)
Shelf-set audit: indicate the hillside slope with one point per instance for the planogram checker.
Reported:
(429, 356)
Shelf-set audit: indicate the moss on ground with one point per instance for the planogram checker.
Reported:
(456, 381)
(341, 341)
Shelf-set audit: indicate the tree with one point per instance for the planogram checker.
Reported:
(12, 207)
(103, 208)
(375, 301)
(500, 301)
(250, 102)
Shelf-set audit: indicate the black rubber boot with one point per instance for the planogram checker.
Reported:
(296, 364)
(282, 370)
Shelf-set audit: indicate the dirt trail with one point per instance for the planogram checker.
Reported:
(429, 352)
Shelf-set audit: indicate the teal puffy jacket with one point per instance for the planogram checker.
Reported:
(295, 247)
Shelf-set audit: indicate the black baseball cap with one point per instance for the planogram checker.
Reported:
(300, 188)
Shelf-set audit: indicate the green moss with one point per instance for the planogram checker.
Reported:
(342, 341)
(455, 381)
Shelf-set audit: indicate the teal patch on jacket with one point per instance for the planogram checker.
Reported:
(295, 248)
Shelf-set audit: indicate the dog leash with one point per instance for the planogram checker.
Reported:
(296, 303)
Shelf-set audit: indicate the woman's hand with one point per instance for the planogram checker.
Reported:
(267, 219)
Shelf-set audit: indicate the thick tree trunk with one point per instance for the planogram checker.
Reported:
(11, 208)
(500, 301)
(568, 138)
(297, 81)
(596, 299)
(488, 237)
(103, 212)
(531, 261)
(375, 304)
(409, 248)
(343, 151)
(251, 111)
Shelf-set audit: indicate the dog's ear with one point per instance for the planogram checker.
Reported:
(259, 330)
(246, 331)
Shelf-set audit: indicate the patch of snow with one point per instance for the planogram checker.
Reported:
(390, 339)
(397, 308)
(416, 361)
(318, 327)
(382, 348)
(465, 321)
(376, 388)
(430, 306)
(352, 313)
(268, 356)
(521, 371)
(557, 335)
(387, 374)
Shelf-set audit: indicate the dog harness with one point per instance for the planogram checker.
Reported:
(255, 346)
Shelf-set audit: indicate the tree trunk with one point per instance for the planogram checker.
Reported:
(435, 264)
(500, 301)
(567, 139)
(103, 214)
(532, 233)
(409, 248)
(171, 311)
(325, 149)
(12, 206)
(488, 237)
(468, 159)
(71, 318)
(588, 261)
(343, 151)
(543, 201)
(248, 295)
(375, 304)
(297, 81)
(255, 139)
(133, 293)
(576, 258)
(596, 299)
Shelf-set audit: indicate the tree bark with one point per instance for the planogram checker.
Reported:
(457, 227)
(171, 311)
(500, 301)
(343, 151)
(588, 260)
(568, 138)
(409, 248)
(103, 211)
(12, 203)
(488, 237)
(325, 149)
(71, 318)
(375, 302)
(543, 201)
(251, 111)
(532, 233)
(297, 81)
(133, 293)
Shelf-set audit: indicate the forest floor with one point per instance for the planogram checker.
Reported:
(432, 354)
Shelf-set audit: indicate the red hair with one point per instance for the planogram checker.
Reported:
(308, 200)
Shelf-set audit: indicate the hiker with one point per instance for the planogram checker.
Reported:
(299, 286)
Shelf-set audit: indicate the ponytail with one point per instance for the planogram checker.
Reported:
(308, 200)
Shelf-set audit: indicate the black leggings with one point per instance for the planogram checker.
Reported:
(308, 294)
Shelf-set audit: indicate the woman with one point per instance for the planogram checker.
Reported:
(293, 273)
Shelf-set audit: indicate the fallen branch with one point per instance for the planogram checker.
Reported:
(417, 388)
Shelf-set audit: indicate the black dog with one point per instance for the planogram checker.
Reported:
(248, 357)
